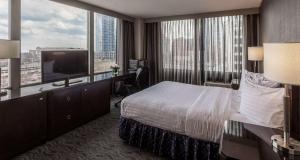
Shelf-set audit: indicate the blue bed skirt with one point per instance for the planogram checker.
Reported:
(165, 143)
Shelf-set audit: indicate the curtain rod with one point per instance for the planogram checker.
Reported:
(90, 7)
(247, 11)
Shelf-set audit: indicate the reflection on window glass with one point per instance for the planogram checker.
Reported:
(105, 42)
(48, 25)
(4, 35)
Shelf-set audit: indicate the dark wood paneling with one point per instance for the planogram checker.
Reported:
(280, 20)
(281, 23)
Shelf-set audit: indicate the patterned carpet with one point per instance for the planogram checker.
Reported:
(97, 140)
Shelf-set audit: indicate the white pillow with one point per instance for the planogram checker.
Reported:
(262, 105)
(257, 79)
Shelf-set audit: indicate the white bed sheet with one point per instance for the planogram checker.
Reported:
(165, 109)
(171, 105)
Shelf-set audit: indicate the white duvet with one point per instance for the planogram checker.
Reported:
(195, 111)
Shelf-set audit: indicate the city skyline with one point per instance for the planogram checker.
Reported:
(56, 25)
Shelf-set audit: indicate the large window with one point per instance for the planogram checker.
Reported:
(4, 35)
(47, 25)
(178, 50)
(105, 42)
(178, 44)
(223, 47)
(217, 55)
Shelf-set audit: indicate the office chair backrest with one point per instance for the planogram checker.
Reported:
(142, 77)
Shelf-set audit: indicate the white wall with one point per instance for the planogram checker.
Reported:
(139, 38)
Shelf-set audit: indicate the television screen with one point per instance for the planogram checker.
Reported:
(63, 64)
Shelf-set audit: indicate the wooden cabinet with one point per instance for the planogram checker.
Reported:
(63, 110)
(22, 124)
(70, 107)
(28, 121)
(95, 100)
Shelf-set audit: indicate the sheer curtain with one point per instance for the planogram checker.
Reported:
(198, 50)
(223, 46)
(178, 50)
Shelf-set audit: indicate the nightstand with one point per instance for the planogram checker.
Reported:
(235, 84)
(249, 142)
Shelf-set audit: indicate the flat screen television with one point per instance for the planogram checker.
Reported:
(60, 65)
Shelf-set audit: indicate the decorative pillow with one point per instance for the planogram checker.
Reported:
(262, 105)
(269, 83)
(257, 79)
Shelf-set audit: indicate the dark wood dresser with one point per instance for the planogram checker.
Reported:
(23, 124)
(74, 106)
(32, 115)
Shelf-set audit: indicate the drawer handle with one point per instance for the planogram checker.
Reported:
(85, 90)
(68, 117)
(41, 99)
(68, 99)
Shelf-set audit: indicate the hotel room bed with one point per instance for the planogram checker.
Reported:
(182, 121)
(179, 121)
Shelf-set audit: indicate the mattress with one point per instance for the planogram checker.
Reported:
(195, 111)
(160, 107)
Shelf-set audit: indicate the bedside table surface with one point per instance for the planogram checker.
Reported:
(249, 142)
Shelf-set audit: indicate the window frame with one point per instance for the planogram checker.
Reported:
(7, 38)
(87, 41)
(116, 48)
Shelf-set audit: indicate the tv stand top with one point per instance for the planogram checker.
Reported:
(63, 83)
(40, 88)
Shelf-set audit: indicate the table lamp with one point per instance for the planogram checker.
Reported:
(282, 64)
(8, 49)
(255, 54)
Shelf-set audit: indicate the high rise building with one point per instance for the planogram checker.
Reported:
(105, 36)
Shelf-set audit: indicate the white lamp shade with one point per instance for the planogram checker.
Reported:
(9, 49)
(255, 53)
(282, 62)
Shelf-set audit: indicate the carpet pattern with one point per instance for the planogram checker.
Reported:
(96, 140)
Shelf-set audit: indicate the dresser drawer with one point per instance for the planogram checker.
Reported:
(63, 110)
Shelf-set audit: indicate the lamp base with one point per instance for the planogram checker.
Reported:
(279, 146)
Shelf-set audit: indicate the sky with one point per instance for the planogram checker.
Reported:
(47, 24)
(3, 19)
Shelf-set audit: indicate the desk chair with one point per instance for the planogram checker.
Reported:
(141, 82)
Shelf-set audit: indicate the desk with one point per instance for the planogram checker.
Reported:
(249, 142)
(126, 77)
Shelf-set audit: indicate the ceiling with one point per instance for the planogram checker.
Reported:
(161, 8)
